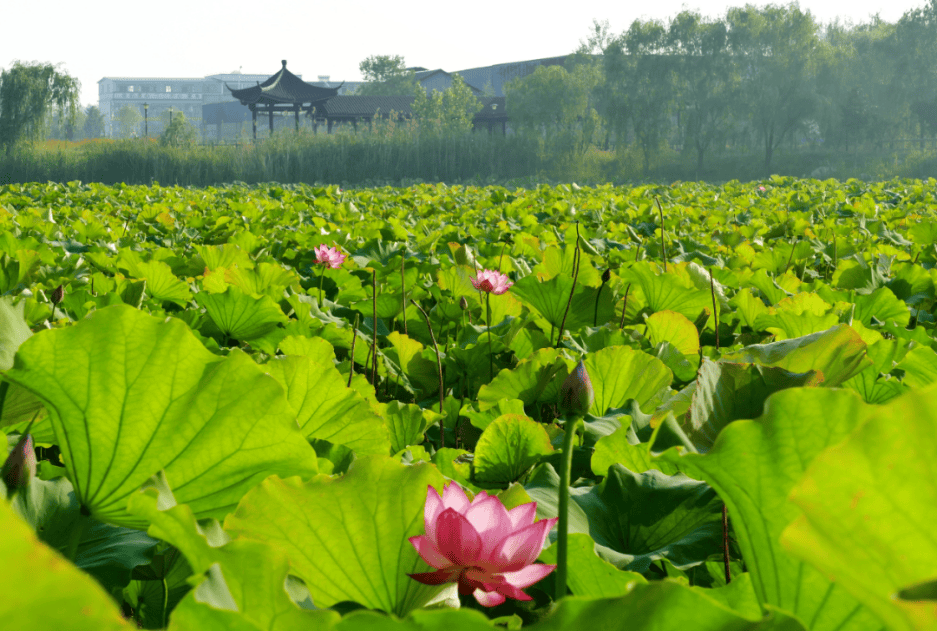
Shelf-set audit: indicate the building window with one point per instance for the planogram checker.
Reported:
(129, 88)
(169, 88)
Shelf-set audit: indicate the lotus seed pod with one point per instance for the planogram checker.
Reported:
(607, 275)
(58, 294)
(576, 393)
(463, 303)
(20, 465)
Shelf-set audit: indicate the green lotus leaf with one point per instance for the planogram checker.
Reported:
(838, 353)
(883, 305)
(13, 330)
(326, 408)
(616, 448)
(509, 446)
(216, 425)
(590, 575)
(620, 373)
(347, 537)
(106, 552)
(673, 327)
(724, 392)
(550, 299)
(919, 366)
(406, 423)
(161, 283)
(443, 619)
(533, 380)
(245, 580)
(240, 316)
(666, 605)
(315, 348)
(668, 292)
(753, 466)
(868, 509)
(39, 585)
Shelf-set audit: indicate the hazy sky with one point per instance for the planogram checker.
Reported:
(194, 38)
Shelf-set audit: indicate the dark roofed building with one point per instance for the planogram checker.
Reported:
(283, 91)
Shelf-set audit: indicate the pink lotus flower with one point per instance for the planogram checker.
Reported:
(489, 550)
(329, 256)
(20, 466)
(491, 281)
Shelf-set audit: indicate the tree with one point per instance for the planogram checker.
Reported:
(179, 133)
(917, 64)
(706, 79)
(387, 75)
(128, 120)
(94, 123)
(450, 111)
(776, 47)
(29, 92)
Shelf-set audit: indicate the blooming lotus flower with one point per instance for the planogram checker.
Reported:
(492, 282)
(331, 257)
(488, 550)
(576, 393)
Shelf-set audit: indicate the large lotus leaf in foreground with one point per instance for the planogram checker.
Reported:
(347, 537)
(243, 584)
(753, 466)
(38, 584)
(130, 394)
(869, 508)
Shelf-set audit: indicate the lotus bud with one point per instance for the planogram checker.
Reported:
(607, 275)
(463, 303)
(576, 393)
(20, 465)
(58, 294)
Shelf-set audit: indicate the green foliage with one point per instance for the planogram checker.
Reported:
(28, 93)
(179, 132)
(449, 111)
(128, 119)
(387, 75)
(94, 123)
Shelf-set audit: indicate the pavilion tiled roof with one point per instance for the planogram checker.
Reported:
(283, 87)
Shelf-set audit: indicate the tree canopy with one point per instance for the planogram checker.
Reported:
(387, 75)
(450, 110)
(29, 93)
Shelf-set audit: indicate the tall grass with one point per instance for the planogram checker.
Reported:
(371, 157)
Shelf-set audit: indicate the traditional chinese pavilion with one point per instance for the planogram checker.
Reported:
(282, 92)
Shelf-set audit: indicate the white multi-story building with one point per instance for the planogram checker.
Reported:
(151, 97)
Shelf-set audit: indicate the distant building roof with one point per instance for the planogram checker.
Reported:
(283, 87)
(494, 77)
(355, 107)
(149, 79)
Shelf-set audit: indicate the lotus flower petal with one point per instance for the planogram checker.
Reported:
(428, 551)
(491, 281)
(523, 547)
(525, 577)
(457, 539)
(488, 550)
(490, 599)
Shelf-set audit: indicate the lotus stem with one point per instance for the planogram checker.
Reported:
(562, 539)
(403, 293)
(78, 531)
(442, 427)
(663, 246)
(725, 543)
(354, 337)
(624, 308)
(374, 326)
(712, 290)
(595, 317)
(572, 291)
(491, 361)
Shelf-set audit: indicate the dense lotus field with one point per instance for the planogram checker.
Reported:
(281, 407)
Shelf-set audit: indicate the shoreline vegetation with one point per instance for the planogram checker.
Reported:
(381, 157)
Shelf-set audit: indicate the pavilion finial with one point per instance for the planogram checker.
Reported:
(284, 62)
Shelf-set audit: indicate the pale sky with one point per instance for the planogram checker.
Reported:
(194, 38)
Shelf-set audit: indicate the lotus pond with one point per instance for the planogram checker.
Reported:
(294, 407)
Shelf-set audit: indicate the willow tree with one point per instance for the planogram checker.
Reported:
(29, 94)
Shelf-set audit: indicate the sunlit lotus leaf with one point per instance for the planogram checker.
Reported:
(673, 327)
(240, 316)
(216, 425)
(510, 445)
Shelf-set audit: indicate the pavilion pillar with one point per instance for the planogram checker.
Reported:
(270, 111)
(254, 122)
(329, 121)
(296, 112)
